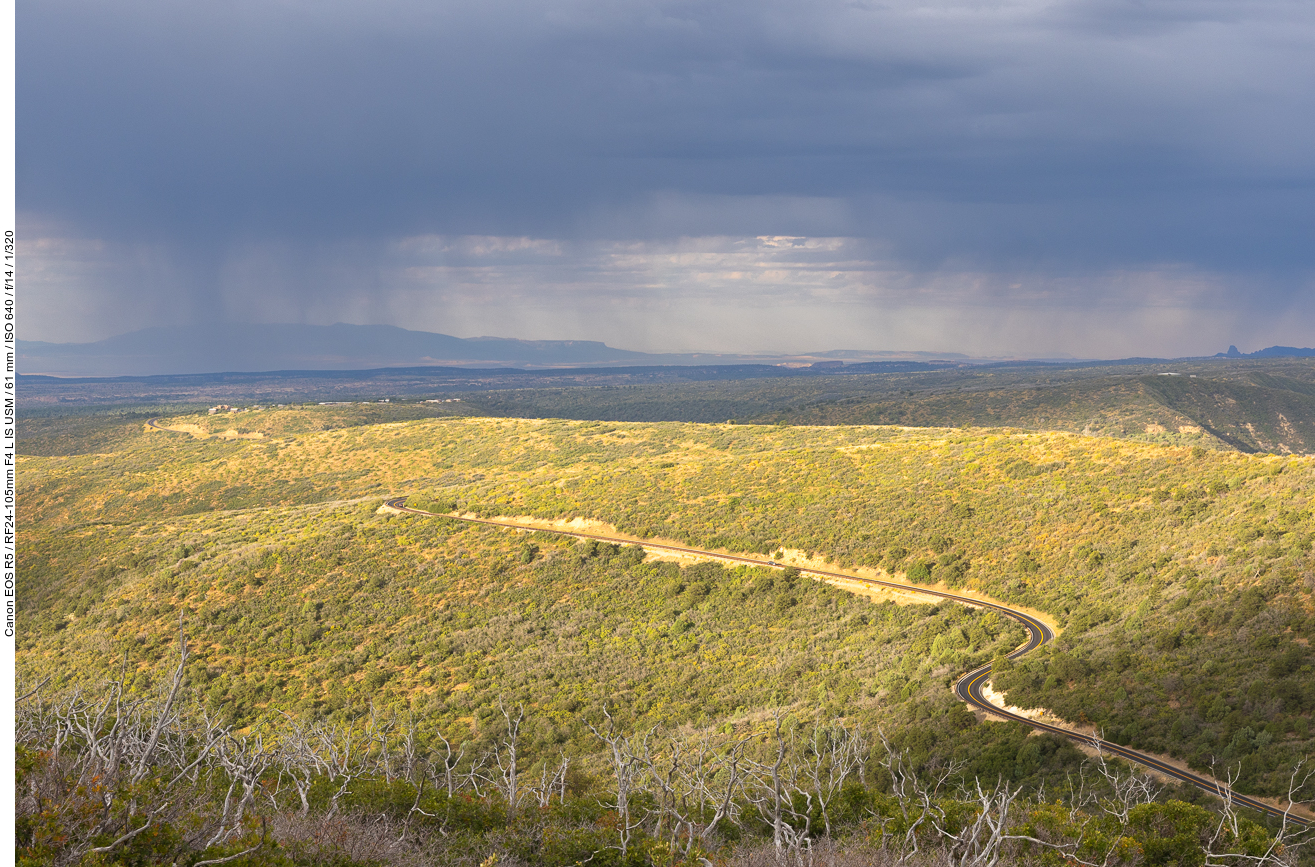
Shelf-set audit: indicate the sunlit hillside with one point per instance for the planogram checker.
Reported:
(1182, 577)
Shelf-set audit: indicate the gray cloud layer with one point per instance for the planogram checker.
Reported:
(280, 159)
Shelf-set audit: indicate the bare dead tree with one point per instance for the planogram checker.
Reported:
(116, 764)
(718, 781)
(197, 740)
(378, 742)
(561, 792)
(337, 754)
(835, 752)
(474, 775)
(1228, 817)
(978, 832)
(245, 761)
(774, 787)
(695, 786)
(627, 770)
(449, 763)
(661, 774)
(264, 840)
(1128, 788)
(768, 789)
(1283, 848)
(22, 696)
(92, 782)
(917, 800)
(986, 835)
(296, 758)
(149, 820)
(507, 756)
(410, 757)
(113, 738)
(980, 841)
(165, 716)
(552, 779)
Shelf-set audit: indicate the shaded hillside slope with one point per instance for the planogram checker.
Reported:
(1249, 407)
(1258, 412)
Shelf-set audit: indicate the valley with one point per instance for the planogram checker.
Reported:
(1180, 577)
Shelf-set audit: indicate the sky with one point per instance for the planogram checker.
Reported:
(1016, 178)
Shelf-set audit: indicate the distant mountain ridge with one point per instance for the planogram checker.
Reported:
(229, 348)
(242, 348)
(233, 348)
(1269, 352)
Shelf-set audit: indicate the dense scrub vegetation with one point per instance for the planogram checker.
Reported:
(1154, 558)
(1184, 578)
(329, 610)
(122, 775)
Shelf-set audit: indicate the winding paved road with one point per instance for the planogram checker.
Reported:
(969, 686)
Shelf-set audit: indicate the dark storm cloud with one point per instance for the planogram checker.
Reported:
(1068, 137)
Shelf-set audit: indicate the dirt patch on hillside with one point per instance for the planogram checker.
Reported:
(1040, 714)
(202, 434)
(234, 435)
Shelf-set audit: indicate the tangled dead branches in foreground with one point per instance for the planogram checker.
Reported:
(108, 777)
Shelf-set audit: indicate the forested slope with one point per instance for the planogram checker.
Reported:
(1250, 405)
(1155, 558)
